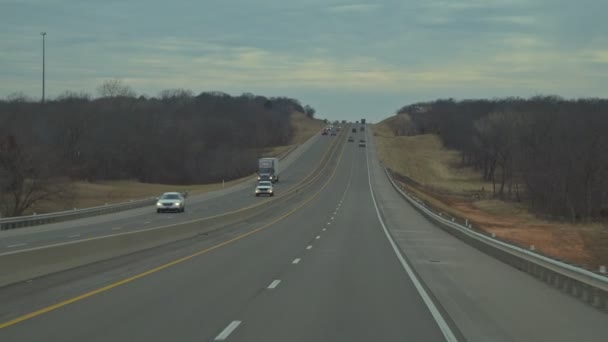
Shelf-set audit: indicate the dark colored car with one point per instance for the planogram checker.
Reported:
(351, 139)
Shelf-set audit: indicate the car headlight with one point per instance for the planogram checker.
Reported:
(270, 191)
(259, 177)
(257, 190)
(177, 204)
(271, 177)
(158, 204)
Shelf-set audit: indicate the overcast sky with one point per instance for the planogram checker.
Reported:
(348, 59)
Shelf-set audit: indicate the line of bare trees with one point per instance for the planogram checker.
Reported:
(175, 138)
(549, 152)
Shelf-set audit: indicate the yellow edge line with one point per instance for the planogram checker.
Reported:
(167, 265)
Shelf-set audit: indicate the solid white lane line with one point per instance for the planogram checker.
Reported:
(308, 247)
(296, 261)
(317, 237)
(228, 330)
(73, 236)
(117, 228)
(443, 325)
(274, 284)
(16, 245)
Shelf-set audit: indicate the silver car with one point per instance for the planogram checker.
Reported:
(171, 201)
(264, 188)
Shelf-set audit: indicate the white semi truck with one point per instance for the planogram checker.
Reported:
(268, 169)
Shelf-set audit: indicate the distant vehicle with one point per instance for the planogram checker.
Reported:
(264, 188)
(363, 121)
(351, 139)
(362, 143)
(268, 168)
(333, 133)
(362, 128)
(324, 132)
(354, 130)
(338, 128)
(171, 201)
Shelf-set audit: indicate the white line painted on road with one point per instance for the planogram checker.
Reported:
(296, 261)
(227, 331)
(147, 222)
(308, 247)
(116, 228)
(274, 284)
(317, 237)
(324, 229)
(73, 236)
(332, 217)
(16, 245)
(328, 223)
(443, 325)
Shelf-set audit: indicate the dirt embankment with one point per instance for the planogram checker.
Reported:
(434, 173)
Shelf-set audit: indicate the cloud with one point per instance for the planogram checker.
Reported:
(423, 49)
(353, 8)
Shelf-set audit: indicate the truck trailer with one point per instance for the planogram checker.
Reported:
(268, 169)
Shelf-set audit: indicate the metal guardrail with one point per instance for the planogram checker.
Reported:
(35, 220)
(583, 284)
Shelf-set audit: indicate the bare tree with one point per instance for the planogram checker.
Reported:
(309, 111)
(115, 88)
(176, 93)
(27, 180)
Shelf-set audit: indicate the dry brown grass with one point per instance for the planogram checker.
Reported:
(96, 194)
(449, 188)
(304, 127)
(423, 159)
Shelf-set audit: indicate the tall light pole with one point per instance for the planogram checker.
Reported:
(43, 34)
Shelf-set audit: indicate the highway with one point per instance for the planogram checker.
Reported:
(343, 259)
(295, 168)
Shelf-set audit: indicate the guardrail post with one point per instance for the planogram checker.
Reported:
(603, 269)
(599, 299)
(532, 248)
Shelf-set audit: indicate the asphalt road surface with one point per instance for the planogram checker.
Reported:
(323, 271)
(294, 168)
(331, 264)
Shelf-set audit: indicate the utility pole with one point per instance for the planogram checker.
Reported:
(43, 34)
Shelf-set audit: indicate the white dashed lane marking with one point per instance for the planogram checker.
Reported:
(228, 330)
(274, 284)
